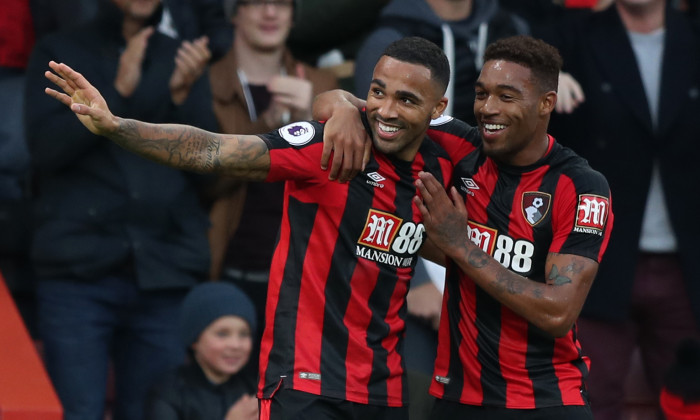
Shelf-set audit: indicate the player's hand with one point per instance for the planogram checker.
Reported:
(82, 98)
(444, 218)
(190, 62)
(570, 94)
(345, 136)
(130, 62)
(246, 408)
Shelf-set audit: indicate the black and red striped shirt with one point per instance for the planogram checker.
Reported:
(487, 354)
(340, 273)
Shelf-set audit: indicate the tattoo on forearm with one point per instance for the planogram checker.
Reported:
(182, 147)
(557, 279)
(478, 258)
(510, 282)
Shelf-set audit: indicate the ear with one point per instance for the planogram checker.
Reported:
(547, 102)
(439, 108)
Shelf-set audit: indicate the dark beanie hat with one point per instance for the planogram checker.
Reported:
(207, 302)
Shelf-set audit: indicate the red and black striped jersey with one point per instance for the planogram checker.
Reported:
(340, 272)
(487, 354)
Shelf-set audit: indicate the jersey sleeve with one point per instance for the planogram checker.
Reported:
(582, 216)
(295, 151)
(455, 136)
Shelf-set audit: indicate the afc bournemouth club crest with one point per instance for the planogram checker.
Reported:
(535, 206)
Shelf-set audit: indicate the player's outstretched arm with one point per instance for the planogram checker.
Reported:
(552, 306)
(179, 146)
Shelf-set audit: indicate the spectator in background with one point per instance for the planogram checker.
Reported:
(463, 28)
(16, 41)
(118, 240)
(189, 20)
(258, 86)
(325, 34)
(535, 12)
(181, 19)
(217, 324)
(638, 63)
(55, 15)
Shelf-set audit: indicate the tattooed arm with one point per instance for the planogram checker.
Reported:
(552, 306)
(179, 146)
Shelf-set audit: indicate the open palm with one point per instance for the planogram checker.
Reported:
(82, 98)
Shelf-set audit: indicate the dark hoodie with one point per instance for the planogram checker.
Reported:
(486, 23)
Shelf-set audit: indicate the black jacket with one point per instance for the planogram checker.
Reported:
(100, 208)
(613, 130)
(186, 394)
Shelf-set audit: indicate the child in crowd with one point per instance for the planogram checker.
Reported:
(218, 324)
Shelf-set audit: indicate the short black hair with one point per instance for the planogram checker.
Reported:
(542, 59)
(417, 50)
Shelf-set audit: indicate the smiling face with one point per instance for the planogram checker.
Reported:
(512, 113)
(402, 100)
(223, 348)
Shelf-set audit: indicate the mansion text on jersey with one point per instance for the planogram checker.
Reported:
(382, 257)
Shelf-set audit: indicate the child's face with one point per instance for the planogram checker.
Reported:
(223, 348)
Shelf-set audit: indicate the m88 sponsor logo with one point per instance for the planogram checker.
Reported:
(389, 239)
(515, 254)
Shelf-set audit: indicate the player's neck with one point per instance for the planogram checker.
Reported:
(450, 10)
(642, 19)
(258, 65)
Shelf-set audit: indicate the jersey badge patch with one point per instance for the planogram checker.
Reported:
(297, 133)
(591, 213)
(535, 206)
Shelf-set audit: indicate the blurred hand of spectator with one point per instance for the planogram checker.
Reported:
(291, 98)
(570, 94)
(129, 71)
(246, 408)
(190, 62)
(425, 302)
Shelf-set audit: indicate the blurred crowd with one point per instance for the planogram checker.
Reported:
(100, 248)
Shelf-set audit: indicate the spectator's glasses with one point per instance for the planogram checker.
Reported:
(261, 3)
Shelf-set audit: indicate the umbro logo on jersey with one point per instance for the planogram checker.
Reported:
(535, 206)
(469, 183)
(468, 186)
(375, 179)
